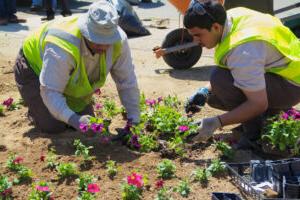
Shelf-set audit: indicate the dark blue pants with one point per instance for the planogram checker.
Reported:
(7, 8)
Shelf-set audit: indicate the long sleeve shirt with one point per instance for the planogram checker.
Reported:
(247, 62)
(57, 68)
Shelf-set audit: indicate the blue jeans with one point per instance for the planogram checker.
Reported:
(37, 3)
(7, 8)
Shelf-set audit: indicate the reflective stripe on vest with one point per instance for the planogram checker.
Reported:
(249, 25)
(66, 35)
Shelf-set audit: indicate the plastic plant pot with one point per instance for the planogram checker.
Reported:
(259, 171)
(291, 187)
(225, 196)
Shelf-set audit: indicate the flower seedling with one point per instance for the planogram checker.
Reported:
(111, 168)
(132, 189)
(1, 110)
(200, 175)
(66, 169)
(166, 169)
(216, 168)
(51, 159)
(14, 163)
(86, 196)
(225, 149)
(11, 105)
(163, 194)
(110, 109)
(25, 174)
(183, 188)
(82, 150)
(5, 188)
(283, 131)
(40, 191)
(83, 181)
(148, 143)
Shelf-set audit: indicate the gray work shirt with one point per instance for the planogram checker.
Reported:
(247, 62)
(57, 67)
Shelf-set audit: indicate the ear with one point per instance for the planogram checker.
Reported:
(217, 27)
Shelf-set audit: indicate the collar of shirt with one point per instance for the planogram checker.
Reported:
(227, 27)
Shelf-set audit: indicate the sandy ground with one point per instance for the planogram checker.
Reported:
(155, 79)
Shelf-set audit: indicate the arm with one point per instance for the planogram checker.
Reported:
(256, 103)
(124, 76)
(57, 65)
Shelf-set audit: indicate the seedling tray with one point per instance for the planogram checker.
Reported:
(240, 174)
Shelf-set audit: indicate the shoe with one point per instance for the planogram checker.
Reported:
(3, 21)
(66, 13)
(48, 18)
(35, 8)
(15, 19)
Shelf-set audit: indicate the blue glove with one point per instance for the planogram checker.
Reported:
(196, 100)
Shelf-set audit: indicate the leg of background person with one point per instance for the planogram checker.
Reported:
(49, 10)
(29, 87)
(36, 5)
(11, 10)
(65, 8)
(3, 13)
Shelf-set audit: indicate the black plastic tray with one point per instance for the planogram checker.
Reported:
(240, 174)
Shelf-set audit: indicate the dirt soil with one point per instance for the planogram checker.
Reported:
(155, 79)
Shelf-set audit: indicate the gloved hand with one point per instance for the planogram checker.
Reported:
(207, 127)
(122, 132)
(196, 100)
(75, 120)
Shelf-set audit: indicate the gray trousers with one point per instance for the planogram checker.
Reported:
(282, 95)
(29, 87)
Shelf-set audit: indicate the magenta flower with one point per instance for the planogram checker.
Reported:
(93, 188)
(6, 192)
(159, 99)
(136, 180)
(159, 184)
(97, 91)
(18, 160)
(150, 102)
(285, 116)
(105, 139)
(135, 141)
(97, 128)
(183, 128)
(98, 106)
(42, 188)
(83, 127)
(8, 102)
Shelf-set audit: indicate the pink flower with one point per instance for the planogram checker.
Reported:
(18, 160)
(97, 128)
(83, 127)
(98, 106)
(97, 91)
(42, 188)
(159, 184)
(8, 102)
(183, 128)
(135, 179)
(93, 188)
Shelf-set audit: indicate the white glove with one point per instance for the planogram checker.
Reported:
(207, 127)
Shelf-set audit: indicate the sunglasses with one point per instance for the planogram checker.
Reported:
(198, 8)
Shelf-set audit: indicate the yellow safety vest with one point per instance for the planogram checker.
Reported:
(249, 25)
(66, 35)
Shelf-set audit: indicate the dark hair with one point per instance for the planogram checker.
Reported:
(215, 14)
